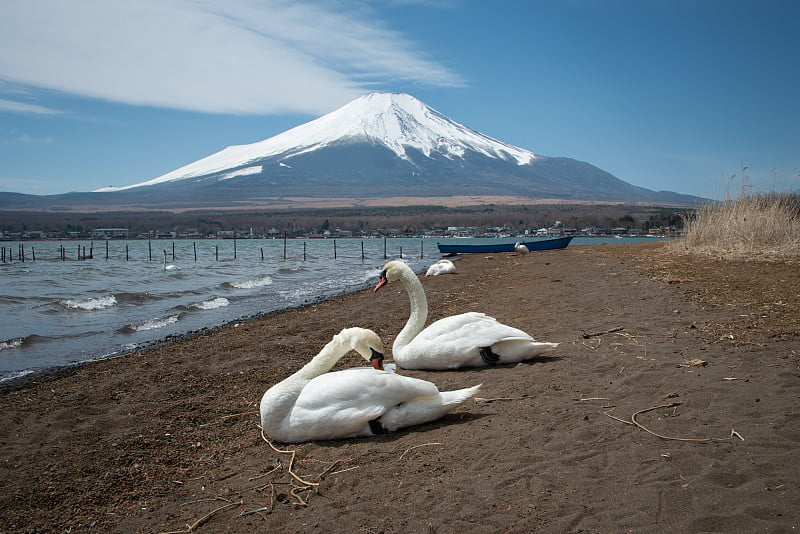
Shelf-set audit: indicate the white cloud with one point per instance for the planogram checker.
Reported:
(23, 107)
(238, 56)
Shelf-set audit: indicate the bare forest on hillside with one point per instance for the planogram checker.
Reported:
(401, 220)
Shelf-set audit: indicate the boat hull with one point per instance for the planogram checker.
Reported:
(483, 248)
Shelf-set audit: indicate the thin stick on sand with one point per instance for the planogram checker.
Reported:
(636, 423)
(190, 528)
(595, 334)
(416, 447)
(291, 461)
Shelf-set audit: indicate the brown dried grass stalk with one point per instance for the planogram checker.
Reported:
(749, 225)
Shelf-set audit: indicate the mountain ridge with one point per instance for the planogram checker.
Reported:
(378, 145)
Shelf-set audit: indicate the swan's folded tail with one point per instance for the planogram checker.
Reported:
(425, 409)
(452, 398)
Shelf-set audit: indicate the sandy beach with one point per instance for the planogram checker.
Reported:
(671, 405)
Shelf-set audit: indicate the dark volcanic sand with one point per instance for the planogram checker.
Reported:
(167, 440)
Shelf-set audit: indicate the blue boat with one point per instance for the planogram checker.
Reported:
(471, 248)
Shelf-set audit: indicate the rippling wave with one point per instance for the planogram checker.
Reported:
(251, 284)
(213, 304)
(153, 324)
(90, 304)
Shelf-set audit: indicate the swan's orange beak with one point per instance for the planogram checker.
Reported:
(382, 282)
(376, 360)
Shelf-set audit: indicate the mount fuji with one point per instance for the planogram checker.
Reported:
(380, 145)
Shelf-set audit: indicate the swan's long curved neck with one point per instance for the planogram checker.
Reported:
(419, 310)
(282, 396)
(326, 359)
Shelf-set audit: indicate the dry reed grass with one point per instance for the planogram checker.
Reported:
(764, 226)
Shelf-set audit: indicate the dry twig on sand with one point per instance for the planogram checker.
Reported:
(291, 461)
(190, 528)
(594, 334)
(416, 447)
(481, 400)
(636, 423)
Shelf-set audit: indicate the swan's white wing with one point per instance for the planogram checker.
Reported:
(341, 404)
(470, 329)
(457, 341)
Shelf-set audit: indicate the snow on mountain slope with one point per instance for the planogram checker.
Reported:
(397, 121)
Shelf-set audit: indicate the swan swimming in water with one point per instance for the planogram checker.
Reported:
(168, 266)
(441, 267)
(466, 340)
(314, 404)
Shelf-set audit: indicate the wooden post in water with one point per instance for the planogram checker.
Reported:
(421, 247)
(126, 253)
(304, 251)
(106, 248)
(384, 248)
(401, 252)
(216, 252)
(362, 250)
(33, 254)
(149, 248)
(234, 245)
(173, 251)
(284, 245)
(334, 249)
(194, 247)
(22, 252)
(262, 253)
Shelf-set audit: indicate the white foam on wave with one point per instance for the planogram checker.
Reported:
(252, 284)
(90, 304)
(10, 344)
(213, 304)
(158, 322)
(16, 374)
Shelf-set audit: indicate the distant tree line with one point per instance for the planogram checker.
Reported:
(403, 220)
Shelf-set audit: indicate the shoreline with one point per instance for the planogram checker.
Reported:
(14, 382)
(167, 436)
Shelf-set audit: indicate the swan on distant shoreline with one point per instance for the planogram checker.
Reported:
(314, 404)
(441, 267)
(466, 340)
(521, 249)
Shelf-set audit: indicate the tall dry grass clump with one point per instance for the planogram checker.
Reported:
(751, 225)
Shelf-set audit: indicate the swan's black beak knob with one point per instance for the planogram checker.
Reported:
(376, 360)
(382, 282)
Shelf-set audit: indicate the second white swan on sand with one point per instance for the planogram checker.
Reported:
(441, 267)
(314, 404)
(466, 340)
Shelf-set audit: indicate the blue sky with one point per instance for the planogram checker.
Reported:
(675, 95)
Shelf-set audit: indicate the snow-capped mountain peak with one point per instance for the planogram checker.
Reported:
(395, 120)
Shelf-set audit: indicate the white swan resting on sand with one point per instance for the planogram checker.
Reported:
(521, 249)
(466, 340)
(314, 404)
(441, 267)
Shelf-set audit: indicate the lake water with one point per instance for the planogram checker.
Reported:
(57, 313)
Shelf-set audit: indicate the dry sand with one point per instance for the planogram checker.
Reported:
(167, 440)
